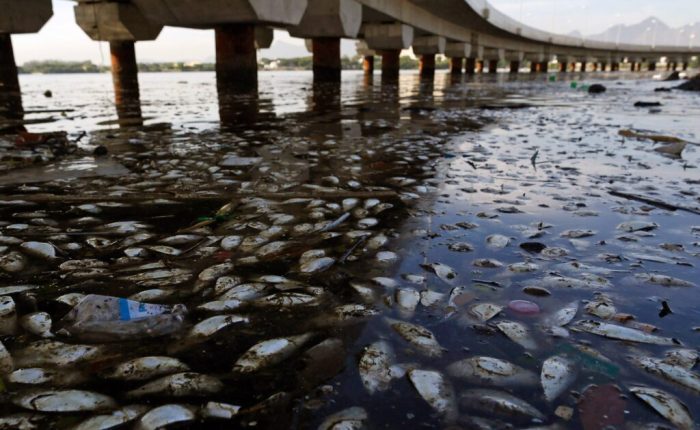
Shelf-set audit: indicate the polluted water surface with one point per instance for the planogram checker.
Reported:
(480, 253)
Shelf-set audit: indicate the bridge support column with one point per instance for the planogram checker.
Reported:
(595, 67)
(514, 66)
(479, 66)
(684, 66)
(326, 59)
(456, 64)
(562, 67)
(236, 58)
(493, 66)
(368, 64)
(615, 66)
(125, 79)
(543, 67)
(534, 67)
(10, 93)
(584, 66)
(603, 66)
(651, 66)
(470, 65)
(427, 66)
(391, 65)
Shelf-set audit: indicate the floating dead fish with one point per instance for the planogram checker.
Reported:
(577, 234)
(407, 299)
(436, 391)
(488, 263)
(56, 354)
(180, 239)
(614, 331)
(523, 267)
(664, 280)
(673, 373)
(163, 416)
(374, 366)
(39, 249)
(685, 358)
(443, 271)
(6, 362)
(491, 371)
(37, 323)
(220, 410)
(116, 419)
(563, 316)
(497, 241)
(347, 419)
(220, 306)
(167, 250)
(317, 265)
(269, 353)
(484, 311)
(229, 243)
(429, 298)
(633, 226)
(39, 376)
(518, 333)
(601, 306)
(420, 337)
(286, 300)
(558, 373)
(585, 281)
(179, 385)
(205, 330)
(210, 274)
(666, 405)
(142, 368)
(8, 316)
(493, 402)
(64, 401)
(13, 262)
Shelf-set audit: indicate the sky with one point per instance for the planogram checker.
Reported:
(62, 39)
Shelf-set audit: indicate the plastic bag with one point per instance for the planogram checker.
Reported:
(109, 319)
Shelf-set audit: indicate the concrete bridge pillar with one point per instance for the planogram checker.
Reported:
(325, 22)
(479, 66)
(543, 67)
(514, 66)
(470, 65)
(389, 40)
(584, 66)
(562, 66)
(457, 52)
(493, 66)
(120, 24)
(236, 57)
(652, 66)
(368, 64)
(684, 66)
(27, 16)
(427, 47)
(456, 65)
(603, 66)
(615, 66)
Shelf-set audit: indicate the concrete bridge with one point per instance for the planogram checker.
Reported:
(474, 35)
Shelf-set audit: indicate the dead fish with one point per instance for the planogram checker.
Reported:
(614, 331)
(497, 241)
(37, 323)
(153, 295)
(229, 243)
(113, 420)
(347, 419)
(577, 234)
(493, 402)
(685, 358)
(179, 385)
(180, 239)
(317, 265)
(286, 300)
(205, 330)
(436, 391)
(39, 376)
(563, 316)
(491, 371)
(523, 267)
(142, 368)
(270, 352)
(64, 401)
(210, 274)
(633, 226)
(585, 281)
(420, 337)
(13, 262)
(429, 297)
(8, 316)
(220, 306)
(484, 311)
(220, 410)
(666, 405)
(664, 280)
(407, 299)
(245, 292)
(558, 373)
(443, 271)
(167, 250)
(601, 306)
(39, 249)
(518, 333)
(488, 263)
(374, 366)
(57, 354)
(163, 416)
(6, 362)
(673, 373)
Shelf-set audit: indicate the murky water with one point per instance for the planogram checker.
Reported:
(356, 210)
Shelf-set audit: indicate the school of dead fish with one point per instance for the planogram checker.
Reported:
(213, 277)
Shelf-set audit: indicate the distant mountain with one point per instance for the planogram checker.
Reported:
(648, 32)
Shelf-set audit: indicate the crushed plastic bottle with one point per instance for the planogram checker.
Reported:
(99, 318)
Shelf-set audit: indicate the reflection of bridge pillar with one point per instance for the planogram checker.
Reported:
(121, 24)
(26, 16)
(391, 64)
(326, 58)
(427, 66)
(470, 66)
(10, 94)
(514, 66)
(493, 66)
(456, 65)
